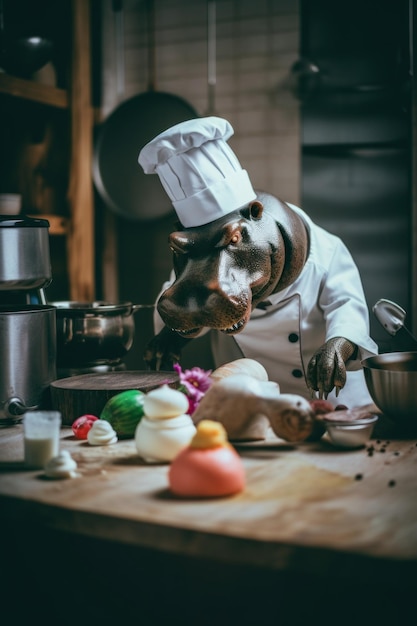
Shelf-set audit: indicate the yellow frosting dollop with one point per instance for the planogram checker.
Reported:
(210, 434)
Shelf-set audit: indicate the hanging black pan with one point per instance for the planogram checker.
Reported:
(119, 179)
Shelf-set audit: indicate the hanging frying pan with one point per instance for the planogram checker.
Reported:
(119, 179)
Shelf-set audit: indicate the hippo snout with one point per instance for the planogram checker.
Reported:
(188, 312)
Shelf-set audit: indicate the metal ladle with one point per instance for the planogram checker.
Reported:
(392, 317)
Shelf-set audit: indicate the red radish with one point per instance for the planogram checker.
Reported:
(82, 425)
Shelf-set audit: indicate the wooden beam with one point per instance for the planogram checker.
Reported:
(81, 235)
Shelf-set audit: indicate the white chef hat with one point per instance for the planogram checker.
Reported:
(198, 170)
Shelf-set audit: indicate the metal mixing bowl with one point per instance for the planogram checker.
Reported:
(392, 382)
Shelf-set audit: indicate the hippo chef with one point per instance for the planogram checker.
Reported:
(269, 283)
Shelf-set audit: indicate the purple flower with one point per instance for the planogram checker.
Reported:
(194, 383)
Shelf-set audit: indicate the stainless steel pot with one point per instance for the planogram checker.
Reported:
(94, 333)
(27, 358)
(25, 262)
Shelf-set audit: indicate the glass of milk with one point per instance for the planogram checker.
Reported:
(41, 437)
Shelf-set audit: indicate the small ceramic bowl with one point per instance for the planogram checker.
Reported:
(10, 203)
(350, 434)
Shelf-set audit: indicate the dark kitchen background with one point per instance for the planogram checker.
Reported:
(322, 98)
(356, 117)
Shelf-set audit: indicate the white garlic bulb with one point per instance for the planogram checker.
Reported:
(249, 367)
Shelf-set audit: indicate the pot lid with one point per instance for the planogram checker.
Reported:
(22, 222)
(74, 308)
(12, 309)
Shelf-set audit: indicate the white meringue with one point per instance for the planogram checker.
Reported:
(164, 402)
(101, 433)
(160, 440)
(165, 429)
(61, 466)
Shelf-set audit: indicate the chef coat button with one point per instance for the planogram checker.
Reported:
(297, 373)
(293, 337)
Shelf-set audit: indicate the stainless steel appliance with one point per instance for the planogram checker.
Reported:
(25, 266)
(28, 359)
(27, 323)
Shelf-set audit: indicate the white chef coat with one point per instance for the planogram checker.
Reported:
(325, 301)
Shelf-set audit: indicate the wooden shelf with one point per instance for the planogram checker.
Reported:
(78, 228)
(35, 92)
(58, 225)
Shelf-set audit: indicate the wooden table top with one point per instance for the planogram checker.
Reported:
(301, 501)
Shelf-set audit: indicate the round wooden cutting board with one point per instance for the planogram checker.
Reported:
(88, 393)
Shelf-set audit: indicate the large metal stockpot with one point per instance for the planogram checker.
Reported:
(24, 253)
(97, 333)
(27, 358)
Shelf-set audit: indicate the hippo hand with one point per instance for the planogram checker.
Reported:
(164, 350)
(327, 366)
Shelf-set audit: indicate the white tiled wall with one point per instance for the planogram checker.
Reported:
(256, 42)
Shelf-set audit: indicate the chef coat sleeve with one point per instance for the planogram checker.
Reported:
(343, 302)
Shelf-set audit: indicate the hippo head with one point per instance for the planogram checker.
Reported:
(223, 269)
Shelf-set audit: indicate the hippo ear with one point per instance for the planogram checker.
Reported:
(255, 210)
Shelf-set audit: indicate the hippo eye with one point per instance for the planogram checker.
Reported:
(236, 238)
